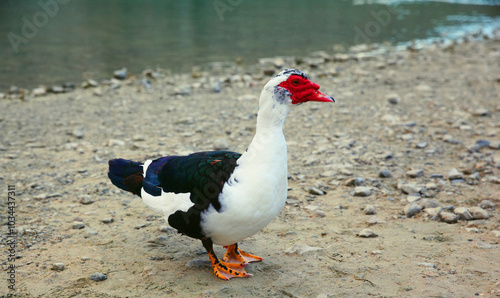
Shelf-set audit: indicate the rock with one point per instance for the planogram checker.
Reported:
(90, 83)
(40, 91)
(77, 225)
(448, 217)
(57, 267)
(429, 203)
(392, 98)
(384, 174)
(480, 144)
(301, 249)
(422, 88)
(78, 133)
(13, 90)
(367, 233)
(454, 174)
(115, 142)
(487, 204)
(412, 209)
(369, 209)
(56, 89)
(410, 188)
(98, 276)
(433, 213)
(362, 191)
(120, 74)
(415, 173)
(428, 265)
(358, 181)
(463, 213)
(86, 199)
(220, 144)
(483, 245)
(315, 191)
(421, 145)
(478, 213)
(91, 231)
(107, 220)
(481, 112)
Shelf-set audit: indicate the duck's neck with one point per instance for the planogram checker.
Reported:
(269, 140)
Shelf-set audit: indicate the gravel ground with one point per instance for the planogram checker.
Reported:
(394, 189)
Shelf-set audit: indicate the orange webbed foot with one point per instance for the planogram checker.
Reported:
(224, 270)
(235, 255)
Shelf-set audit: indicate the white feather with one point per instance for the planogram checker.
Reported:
(166, 203)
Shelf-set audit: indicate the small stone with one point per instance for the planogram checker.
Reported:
(410, 188)
(483, 245)
(478, 213)
(120, 74)
(429, 203)
(367, 233)
(487, 204)
(86, 199)
(57, 267)
(107, 220)
(481, 112)
(358, 181)
(78, 133)
(385, 174)
(448, 217)
(220, 144)
(90, 83)
(57, 89)
(392, 98)
(302, 249)
(98, 276)
(13, 90)
(362, 191)
(454, 174)
(463, 213)
(77, 225)
(423, 88)
(412, 209)
(428, 265)
(369, 209)
(421, 145)
(91, 231)
(115, 142)
(40, 91)
(319, 213)
(316, 191)
(415, 173)
(433, 213)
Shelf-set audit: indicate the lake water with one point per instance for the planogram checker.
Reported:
(54, 41)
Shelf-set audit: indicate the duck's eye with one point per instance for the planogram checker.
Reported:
(295, 82)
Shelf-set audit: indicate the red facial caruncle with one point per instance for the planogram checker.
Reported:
(303, 90)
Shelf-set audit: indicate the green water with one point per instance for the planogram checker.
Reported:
(54, 41)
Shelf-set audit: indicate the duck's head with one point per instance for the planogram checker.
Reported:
(292, 87)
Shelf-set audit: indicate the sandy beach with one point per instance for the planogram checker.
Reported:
(394, 188)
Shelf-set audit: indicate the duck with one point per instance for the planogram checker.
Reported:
(223, 197)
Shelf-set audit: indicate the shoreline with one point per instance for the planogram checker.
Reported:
(264, 66)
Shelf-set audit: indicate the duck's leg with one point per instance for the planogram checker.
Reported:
(223, 270)
(235, 255)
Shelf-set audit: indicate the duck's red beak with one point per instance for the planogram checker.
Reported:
(313, 94)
